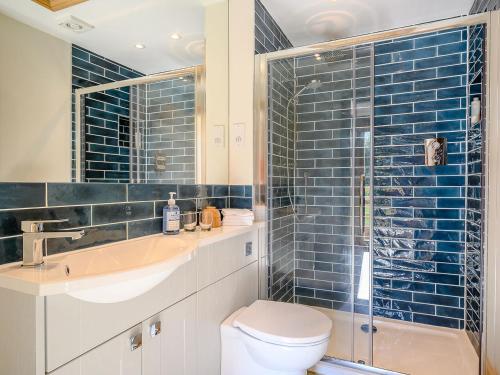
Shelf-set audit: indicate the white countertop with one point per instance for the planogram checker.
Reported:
(147, 260)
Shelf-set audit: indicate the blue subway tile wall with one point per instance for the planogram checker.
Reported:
(281, 149)
(163, 113)
(481, 6)
(107, 212)
(268, 38)
(419, 211)
(268, 35)
(475, 191)
(171, 130)
(107, 117)
(333, 132)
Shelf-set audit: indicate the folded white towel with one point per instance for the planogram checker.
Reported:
(237, 220)
(237, 212)
(236, 224)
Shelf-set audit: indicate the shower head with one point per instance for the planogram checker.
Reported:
(314, 84)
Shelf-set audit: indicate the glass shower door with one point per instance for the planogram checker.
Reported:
(363, 181)
(320, 173)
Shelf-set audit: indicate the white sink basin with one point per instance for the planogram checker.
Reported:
(105, 274)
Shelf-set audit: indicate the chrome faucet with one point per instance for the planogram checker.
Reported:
(34, 240)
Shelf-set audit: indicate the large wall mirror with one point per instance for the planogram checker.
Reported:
(114, 91)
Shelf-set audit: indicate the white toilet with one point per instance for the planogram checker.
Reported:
(273, 338)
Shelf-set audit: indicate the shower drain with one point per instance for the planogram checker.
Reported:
(366, 328)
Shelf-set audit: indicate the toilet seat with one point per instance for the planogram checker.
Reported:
(284, 324)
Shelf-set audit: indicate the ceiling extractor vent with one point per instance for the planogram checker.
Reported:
(75, 24)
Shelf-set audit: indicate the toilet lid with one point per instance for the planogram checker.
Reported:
(284, 323)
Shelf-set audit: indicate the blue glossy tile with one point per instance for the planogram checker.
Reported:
(437, 39)
(454, 92)
(439, 105)
(451, 115)
(393, 89)
(436, 321)
(394, 68)
(240, 202)
(451, 203)
(438, 61)
(436, 299)
(394, 46)
(439, 83)
(413, 307)
(193, 191)
(437, 278)
(414, 117)
(21, 195)
(221, 190)
(120, 212)
(150, 192)
(452, 70)
(450, 290)
(77, 194)
(219, 203)
(413, 286)
(237, 190)
(441, 192)
(450, 312)
(11, 249)
(144, 227)
(452, 48)
(437, 213)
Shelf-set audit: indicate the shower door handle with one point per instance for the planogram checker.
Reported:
(362, 179)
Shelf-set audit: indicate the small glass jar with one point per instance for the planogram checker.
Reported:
(206, 220)
(189, 221)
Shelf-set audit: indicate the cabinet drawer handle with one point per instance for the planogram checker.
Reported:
(155, 329)
(135, 342)
(248, 248)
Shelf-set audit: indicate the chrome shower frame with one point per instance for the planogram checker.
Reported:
(491, 240)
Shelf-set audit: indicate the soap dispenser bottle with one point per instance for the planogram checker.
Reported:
(171, 217)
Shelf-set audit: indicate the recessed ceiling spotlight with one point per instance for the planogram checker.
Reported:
(317, 55)
(140, 46)
(75, 25)
(176, 36)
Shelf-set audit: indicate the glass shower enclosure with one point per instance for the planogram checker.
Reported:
(359, 226)
(320, 201)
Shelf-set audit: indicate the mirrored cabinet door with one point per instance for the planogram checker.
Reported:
(110, 102)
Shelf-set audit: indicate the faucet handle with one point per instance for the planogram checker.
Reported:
(36, 226)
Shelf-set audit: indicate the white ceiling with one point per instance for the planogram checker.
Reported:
(313, 21)
(121, 24)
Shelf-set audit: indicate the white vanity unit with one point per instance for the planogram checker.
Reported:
(148, 306)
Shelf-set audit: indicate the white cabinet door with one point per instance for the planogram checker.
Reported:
(122, 355)
(218, 260)
(170, 340)
(215, 304)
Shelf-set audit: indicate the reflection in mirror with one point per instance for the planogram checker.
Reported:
(141, 74)
(142, 130)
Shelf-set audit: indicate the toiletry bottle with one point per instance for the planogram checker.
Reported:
(171, 217)
(475, 111)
